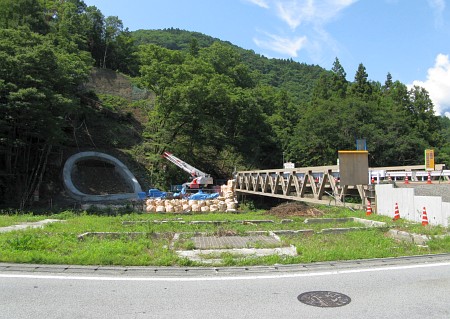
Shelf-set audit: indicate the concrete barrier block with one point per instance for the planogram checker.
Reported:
(420, 239)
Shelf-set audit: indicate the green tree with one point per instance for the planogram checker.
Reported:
(201, 112)
(23, 13)
(94, 21)
(388, 83)
(283, 121)
(339, 82)
(361, 88)
(162, 71)
(443, 152)
(68, 24)
(38, 89)
(322, 89)
(112, 29)
(421, 112)
(226, 60)
(319, 133)
(194, 48)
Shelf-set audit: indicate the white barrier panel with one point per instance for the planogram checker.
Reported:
(433, 205)
(411, 206)
(387, 197)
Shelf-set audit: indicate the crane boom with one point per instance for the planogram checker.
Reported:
(200, 177)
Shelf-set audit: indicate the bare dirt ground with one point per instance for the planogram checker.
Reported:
(294, 209)
(96, 178)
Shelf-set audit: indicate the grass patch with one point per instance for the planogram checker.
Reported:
(184, 243)
(417, 228)
(440, 244)
(58, 243)
(352, 245)
(17, 218)
(64, 248)
(233, 223)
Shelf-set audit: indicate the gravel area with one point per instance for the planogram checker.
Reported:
(435, 189)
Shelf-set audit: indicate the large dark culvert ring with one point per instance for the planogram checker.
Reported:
(95, 176)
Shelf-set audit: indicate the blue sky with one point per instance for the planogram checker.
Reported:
(408, 38)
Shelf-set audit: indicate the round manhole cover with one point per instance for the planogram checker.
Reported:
(324, 299)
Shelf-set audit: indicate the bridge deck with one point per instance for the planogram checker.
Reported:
(321, 184)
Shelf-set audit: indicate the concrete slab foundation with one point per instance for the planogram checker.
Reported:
(210, 242)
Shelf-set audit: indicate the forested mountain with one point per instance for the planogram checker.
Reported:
(296, 78)
(217, 106)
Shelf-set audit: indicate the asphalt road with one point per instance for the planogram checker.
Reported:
(384, 288)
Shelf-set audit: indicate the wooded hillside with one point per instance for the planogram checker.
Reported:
(213, 104)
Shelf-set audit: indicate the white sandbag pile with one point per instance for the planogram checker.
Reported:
(227, 202)
(228, 192)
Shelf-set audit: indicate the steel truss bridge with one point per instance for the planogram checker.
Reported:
(321, 184)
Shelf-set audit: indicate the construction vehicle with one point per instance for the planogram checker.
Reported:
(199, 178)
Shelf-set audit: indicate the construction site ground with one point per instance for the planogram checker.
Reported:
(212, 239)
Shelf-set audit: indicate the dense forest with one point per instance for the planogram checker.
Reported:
(218, 106)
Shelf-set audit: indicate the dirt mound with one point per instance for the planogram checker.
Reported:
(294, 209)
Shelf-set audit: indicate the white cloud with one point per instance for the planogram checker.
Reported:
(283, 45)
(260, 3)
(438, 84)
(317, 12)
(438, 7)
(292, 13)
(311, 15)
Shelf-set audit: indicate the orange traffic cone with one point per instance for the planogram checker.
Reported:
(368, 209)
(372, 180)
(424, 217)
(406, 179)
(429, 178)
(396, 212)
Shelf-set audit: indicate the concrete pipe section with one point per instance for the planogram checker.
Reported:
(123, 173)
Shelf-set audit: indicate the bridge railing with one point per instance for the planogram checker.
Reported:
(313, 183)
(292, 183)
